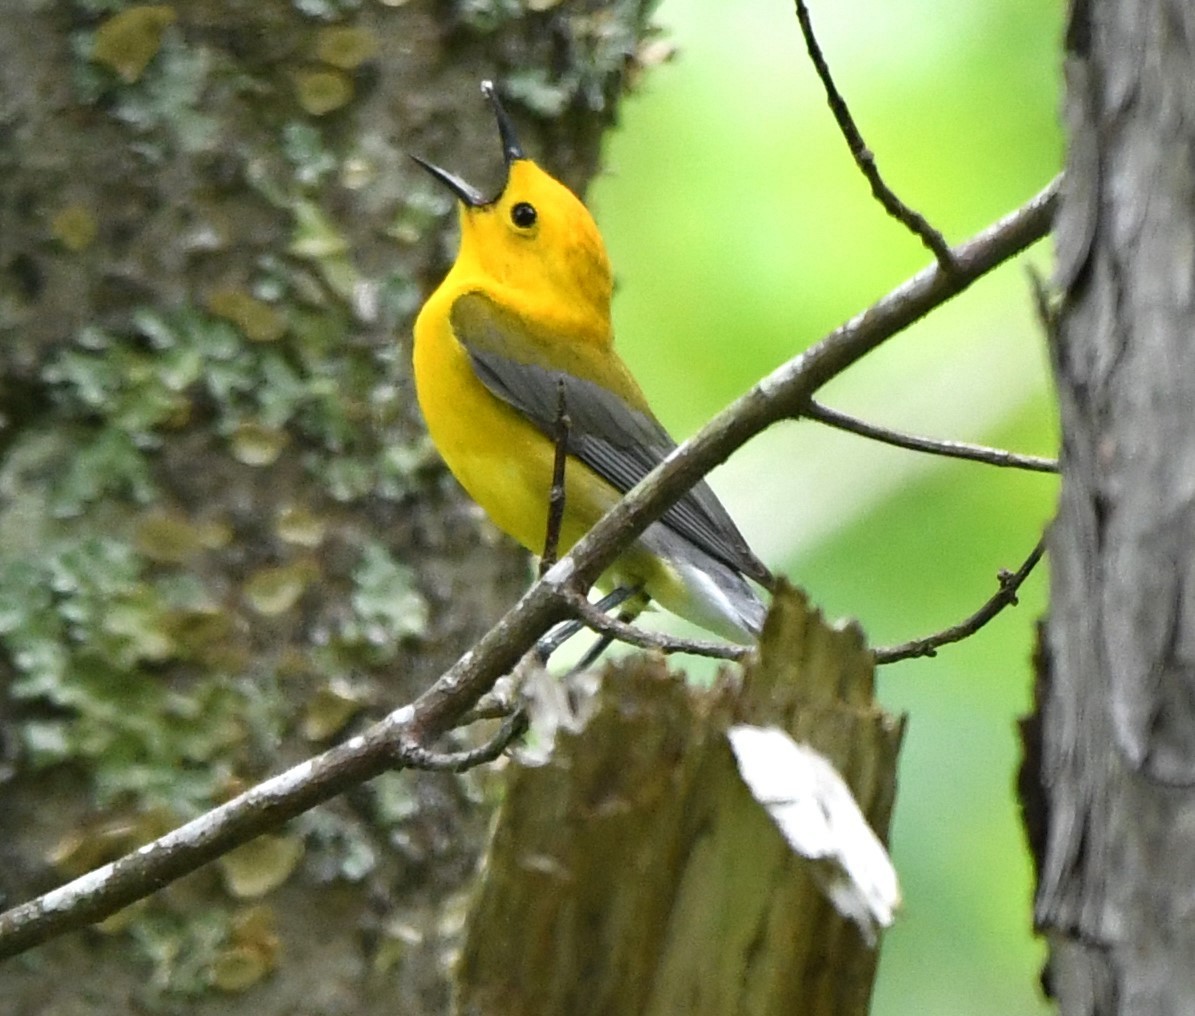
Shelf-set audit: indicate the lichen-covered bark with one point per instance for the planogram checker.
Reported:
(1114, 804)
(224, 539)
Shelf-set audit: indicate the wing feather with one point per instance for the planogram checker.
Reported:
(617, 441)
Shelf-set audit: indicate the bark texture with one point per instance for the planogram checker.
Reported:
(635, 872)
(223, 538)
(1112, 812)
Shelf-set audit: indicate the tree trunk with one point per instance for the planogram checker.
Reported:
(1111, 807)
(223, 538)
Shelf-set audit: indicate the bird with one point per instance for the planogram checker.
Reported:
(519, 329)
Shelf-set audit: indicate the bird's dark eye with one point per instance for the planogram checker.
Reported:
(523, 215)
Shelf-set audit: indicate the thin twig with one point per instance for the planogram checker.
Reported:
(602, 623)
(556, 494)
(1005, 596)
(863, 156)
(952, 449)
(553, 640)
(415, 756)
(489, 707)
(266, 806)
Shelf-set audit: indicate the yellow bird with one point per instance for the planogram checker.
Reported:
(523, 315)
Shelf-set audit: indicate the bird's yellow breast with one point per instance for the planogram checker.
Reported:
(500, 458)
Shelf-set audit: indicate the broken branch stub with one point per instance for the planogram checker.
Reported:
(634, 872)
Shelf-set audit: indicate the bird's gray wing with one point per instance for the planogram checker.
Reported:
(615, 440)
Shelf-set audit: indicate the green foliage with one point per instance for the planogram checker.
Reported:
(739, 232)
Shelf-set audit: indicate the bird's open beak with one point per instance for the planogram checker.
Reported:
(511, 151)
(469, 194)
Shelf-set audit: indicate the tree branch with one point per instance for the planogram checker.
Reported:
(913, 442)
(1005, 596)
(783, 394)
(515, 725)
(863, 156)
(491, 706)
(599, 621)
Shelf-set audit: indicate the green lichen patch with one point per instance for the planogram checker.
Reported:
(170, 537)
(321, 91)
(312, 389)
(261, 865)
(257, 320)
(87, 627)
(275, 589)
(299, 525)
(105, 838)
(130, 39)
(344, 46)
(182, 949)
(255, 444)
(318, 241)
(416, 213)
(136, 390)
(600, 41)
(238, 967)
(75, 227)
(487, 16)
(337, 848)
(332, 706)
(326, 10)
(304, 148)
(167, 103)
(250, 953)
(388, 608)
(45, 477)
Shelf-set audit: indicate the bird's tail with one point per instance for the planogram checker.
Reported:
(702, 589)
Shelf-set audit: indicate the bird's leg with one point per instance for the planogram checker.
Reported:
(592, 654)
(567, 629)
(556, 492)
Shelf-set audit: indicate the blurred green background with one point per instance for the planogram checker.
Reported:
(740, 233)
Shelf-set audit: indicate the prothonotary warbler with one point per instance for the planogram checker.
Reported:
(523, 312)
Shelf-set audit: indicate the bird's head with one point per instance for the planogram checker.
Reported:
(535, 242)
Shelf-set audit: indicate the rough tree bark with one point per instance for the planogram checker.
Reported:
(1111, 801)
(223, 540)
